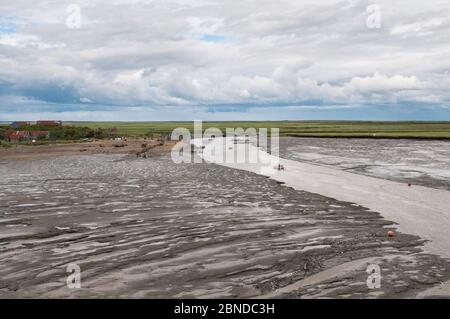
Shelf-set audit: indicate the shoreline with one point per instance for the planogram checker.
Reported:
(134, 145)
(130, 147)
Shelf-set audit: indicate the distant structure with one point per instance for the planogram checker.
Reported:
(39, 134)
(17, 136)
(20, 124)
(22, 131)
(49, 123)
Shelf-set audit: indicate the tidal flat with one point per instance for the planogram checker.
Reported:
(150, 228)
(420, 162)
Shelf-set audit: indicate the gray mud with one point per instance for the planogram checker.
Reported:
(151, 228)
(421, 162)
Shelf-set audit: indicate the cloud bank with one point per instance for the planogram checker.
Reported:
(163, 60)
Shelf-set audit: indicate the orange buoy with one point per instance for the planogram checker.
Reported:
(390, 233)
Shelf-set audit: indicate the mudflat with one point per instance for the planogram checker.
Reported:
(419, 162)
(146, 227)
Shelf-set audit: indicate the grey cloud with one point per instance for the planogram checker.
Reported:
(139, 52)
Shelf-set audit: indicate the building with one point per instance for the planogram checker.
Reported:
(17, 136)
(19, 124)
(49, 123)
(39, 134)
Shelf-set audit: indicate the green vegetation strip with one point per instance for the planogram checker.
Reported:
(430, 130)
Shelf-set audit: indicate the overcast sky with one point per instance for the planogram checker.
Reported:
(224, 60)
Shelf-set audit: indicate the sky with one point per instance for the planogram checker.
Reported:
(136, 60)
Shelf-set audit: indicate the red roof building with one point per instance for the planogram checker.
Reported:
(49, 123)
(39, 134)
(17, 135)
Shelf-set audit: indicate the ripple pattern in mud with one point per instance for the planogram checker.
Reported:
(151, 228)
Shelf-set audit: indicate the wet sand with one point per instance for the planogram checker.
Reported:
(151, 228)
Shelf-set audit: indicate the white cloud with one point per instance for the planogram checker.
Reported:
(420, 28)
(382, 83)
(85, 100)
(157, 53)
